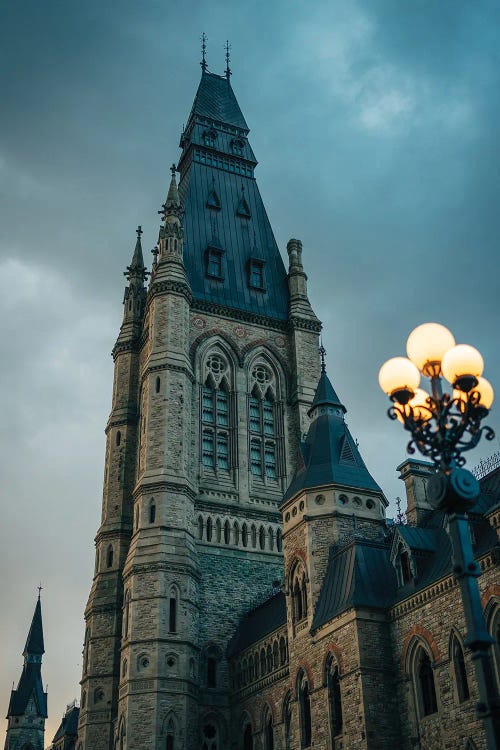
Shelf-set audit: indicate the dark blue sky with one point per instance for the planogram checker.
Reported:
(376, 127)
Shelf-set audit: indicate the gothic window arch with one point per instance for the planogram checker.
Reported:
(244, 535)
(173, 600)
(236, 533)
(169, 731)
(126, 614)
(211, 657)
(218, 530)
(303, 693)
(494, 628)
(269, 658)
(276, 658)
(262, 538)
(217, 419)
(227, 532)
(265, 423)
(403, 565)
(268, 729)
(200, 527)
(152, 510)
(459, 669)
(270, 536)
(248, 737)
(209, 529)
(298, 588)
(210, 735)
(279, 542)
(253, 535)
(287, 719)
(422, 675)
(282, 651)
(262, 662)
(124, 667)
(109, 556)
(332, 681)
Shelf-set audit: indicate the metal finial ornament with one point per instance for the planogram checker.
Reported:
(139, 232)
(173, 170)
(228, 69)
(40, 587)
(322, 352)
(203, 52)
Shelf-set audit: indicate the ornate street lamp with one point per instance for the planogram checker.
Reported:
(443, 425)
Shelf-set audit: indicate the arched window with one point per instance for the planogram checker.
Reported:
(298, 588)
(170, 736)
(262, 428)
(334, 699)
(282, 651)
(152, 511)
(424, 683)
(215, 415)
(269, 659)
(218, 530)
(287, 720)
(118, 438)
(236, 533)
(262, 662)
(305, 711)
(403, 566)
(279, 542)
(244, 535)
(211, 672)
(253, 535)
(270, 536)
(158, 384)
(172, 610)
(457, 656)
(248, 738)
(276, 657)
(210, 736)
(251, 669)
(227, 533)
(209, 529)
(126, 613)
(200, 527)
(256, 665)
(109, 557)
(262, 538)
(268, 731)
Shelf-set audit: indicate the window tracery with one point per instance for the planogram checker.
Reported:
(298, 587)
(264, 424)
(215, 415)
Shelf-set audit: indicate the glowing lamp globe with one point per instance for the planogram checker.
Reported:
(426, 346)
(420, 406)
(485, 391)
(399, 378)
(462, 365)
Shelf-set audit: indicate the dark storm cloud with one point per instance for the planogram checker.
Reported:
(376, 127)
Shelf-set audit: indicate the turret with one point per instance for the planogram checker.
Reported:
(28, 702)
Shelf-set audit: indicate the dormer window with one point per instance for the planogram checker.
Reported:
(237, 146)
(209, 138)
(214, 261)
(403, 566)
(256, 274)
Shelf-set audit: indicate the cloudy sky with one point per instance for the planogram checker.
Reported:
(375, 123)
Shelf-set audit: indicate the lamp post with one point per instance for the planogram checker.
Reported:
(443, 426)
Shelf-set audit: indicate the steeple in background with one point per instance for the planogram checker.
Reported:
(28, 702)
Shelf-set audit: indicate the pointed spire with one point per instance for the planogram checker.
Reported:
(137, 269)
(228, 69)
(173, 203)
(325, 393)
(34, 643)
(203, 62)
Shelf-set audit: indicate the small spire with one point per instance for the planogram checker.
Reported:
(173, 200)
(34, 642)
(173, 170)
(322, 352)
(203, 53)
(137, 269)
(228, 69)
(40, 587)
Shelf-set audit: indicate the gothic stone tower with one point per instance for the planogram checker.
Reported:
(216, 366)
(28, 703)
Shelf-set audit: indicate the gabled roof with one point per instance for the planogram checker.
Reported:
(30, 684)
(258, 623)
(358, 575)
(215, 100)
(329, 454)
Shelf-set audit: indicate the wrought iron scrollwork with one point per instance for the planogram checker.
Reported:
(445, 427)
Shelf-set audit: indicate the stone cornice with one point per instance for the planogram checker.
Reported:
(159, 486)
(132, 345)
(167, 366)
(176, 287)
(305, 324)
(151, 567)
(234, 314)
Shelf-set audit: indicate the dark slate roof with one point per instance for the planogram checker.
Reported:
(329, 454)
(216, 101)
(241, 235)
(325, 393)
(34, 642)
(69, 724)
(418, 538)
(258, 623)
(30, 684)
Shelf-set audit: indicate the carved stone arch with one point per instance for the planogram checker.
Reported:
(201, 346)
(285, 703)
(418, 634)
(303, 671)
(250, 352)
(215, 717)
(298, 556)
(267, 709)
(454, 634)
(334, 653)
(170, 721)
(276, 387)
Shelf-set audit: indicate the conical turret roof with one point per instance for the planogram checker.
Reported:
(34, 642)
(329, 454)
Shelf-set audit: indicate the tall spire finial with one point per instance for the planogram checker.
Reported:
(203, 52)
(40, 587)
(228, 69)
(173, 170)
(139, 232)
(322, 352)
